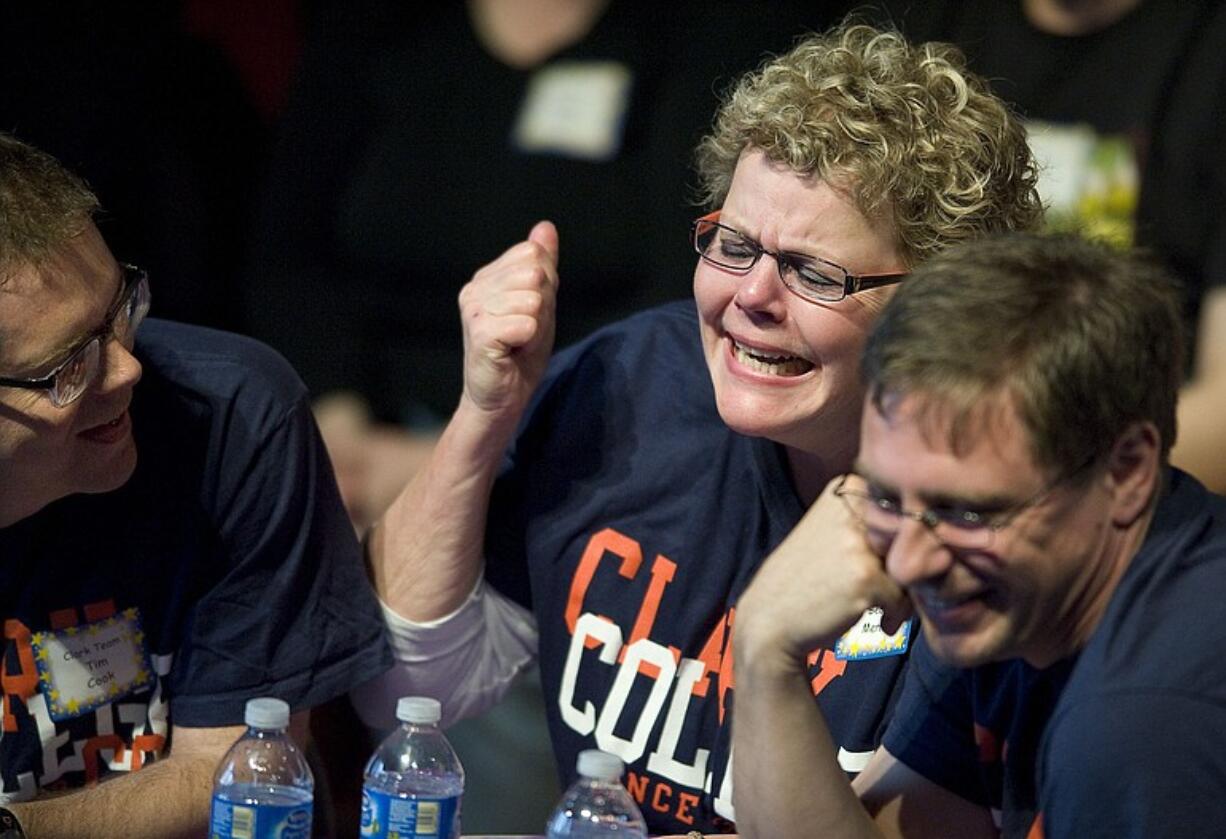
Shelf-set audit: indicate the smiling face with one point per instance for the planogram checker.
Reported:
(1038, 589)
(47, 452)
(782, 367)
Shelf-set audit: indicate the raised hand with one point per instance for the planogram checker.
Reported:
(508, 314)
(815, 585)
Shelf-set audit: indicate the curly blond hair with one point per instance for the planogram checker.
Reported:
(906, 129)
(42, 204)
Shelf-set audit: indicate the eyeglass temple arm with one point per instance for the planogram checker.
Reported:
(864, 282)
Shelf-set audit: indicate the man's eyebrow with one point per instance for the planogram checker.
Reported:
(984, 501)
(987, 502)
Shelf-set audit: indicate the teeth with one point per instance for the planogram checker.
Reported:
(771, 363)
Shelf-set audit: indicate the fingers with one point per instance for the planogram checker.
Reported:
(545, 235)
(508, 315)
(507, 303)
(817, 582)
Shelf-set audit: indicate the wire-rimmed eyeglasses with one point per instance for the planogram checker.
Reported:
(70, 378)
(955, 525)
(811, 278)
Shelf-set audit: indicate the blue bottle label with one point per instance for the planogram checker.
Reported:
(234, 820)
(396, 817)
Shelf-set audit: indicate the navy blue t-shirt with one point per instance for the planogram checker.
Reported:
(630, 518)
(224, 569)
(1125, 739)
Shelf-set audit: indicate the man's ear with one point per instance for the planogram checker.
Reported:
(1133, 468)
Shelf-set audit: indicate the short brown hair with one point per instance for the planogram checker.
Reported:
(908, 129)
(42, 204)
(1085, 339)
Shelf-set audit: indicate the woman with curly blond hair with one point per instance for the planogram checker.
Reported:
(602, 511)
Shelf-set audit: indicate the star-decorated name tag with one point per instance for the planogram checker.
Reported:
(83, 667)
(866, 639)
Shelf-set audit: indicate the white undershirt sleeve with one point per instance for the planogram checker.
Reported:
(467, 660)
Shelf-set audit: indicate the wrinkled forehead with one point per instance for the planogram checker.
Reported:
(956, 420)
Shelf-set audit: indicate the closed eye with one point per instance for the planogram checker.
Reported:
(811, 275)
(734, 248)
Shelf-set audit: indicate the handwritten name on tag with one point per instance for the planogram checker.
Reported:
(83, 667)
(866, 639)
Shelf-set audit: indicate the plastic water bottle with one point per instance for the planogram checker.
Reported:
(597, 806)
(263, 787)
(414, 781)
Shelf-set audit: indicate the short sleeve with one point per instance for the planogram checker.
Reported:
(932, 729)
(292, 615)
(1135, 764)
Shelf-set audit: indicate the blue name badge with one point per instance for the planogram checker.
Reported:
(84, 667)
(866, 639)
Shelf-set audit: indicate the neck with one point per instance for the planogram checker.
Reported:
(525, 33)
(1070, 18)
(811, 472)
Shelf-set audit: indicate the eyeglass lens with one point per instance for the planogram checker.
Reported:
(727, 248)
(75, 377)
(884, 519)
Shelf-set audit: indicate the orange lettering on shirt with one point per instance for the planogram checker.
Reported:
(610, 541)
(90, 753)
(153, 743)
(711, 656)
(63, 618)
(727, 680)
(832, 668)
(99, 611)
(662, 571)
(637, 785)
(24, 683)
(1036, 829)
(660, 797)
(686, 802)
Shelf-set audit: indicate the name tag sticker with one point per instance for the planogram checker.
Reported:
(576, 109)
(866, 639)
(83, 667)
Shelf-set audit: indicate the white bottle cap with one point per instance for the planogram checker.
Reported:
(419, 709)
(593, 763)
(266, 712)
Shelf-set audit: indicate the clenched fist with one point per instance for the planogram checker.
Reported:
(508, 314)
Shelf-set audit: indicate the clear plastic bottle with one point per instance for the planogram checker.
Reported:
(414, 780)
(264, 786)
(597, 806)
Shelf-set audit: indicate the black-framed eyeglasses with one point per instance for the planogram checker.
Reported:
(811, 278)
(954, 525)
(70, 378)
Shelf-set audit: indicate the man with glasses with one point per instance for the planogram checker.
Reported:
(1013, 492)
(171, 539)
